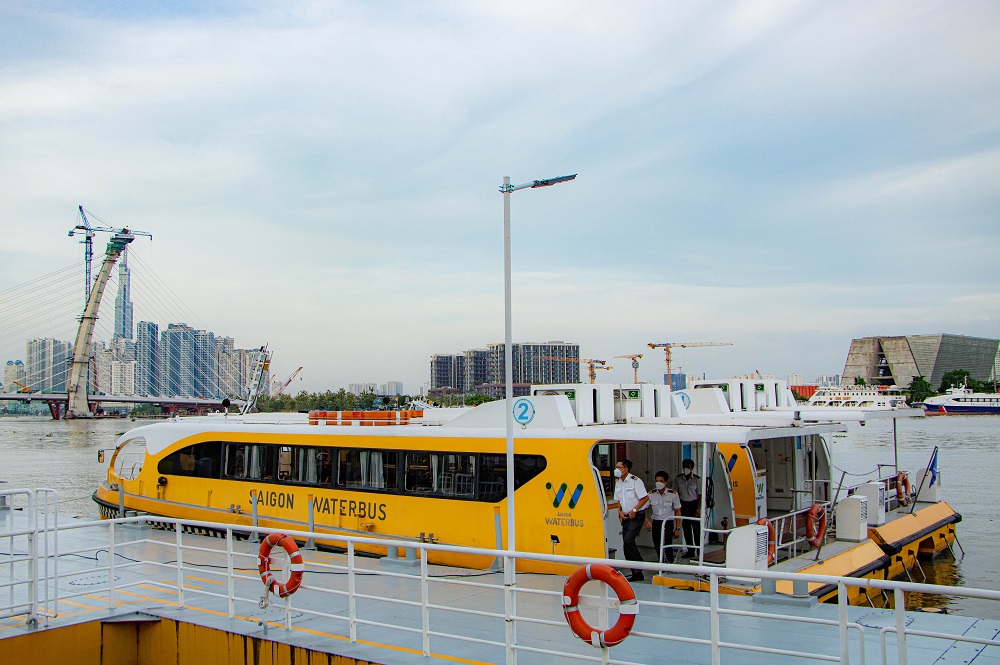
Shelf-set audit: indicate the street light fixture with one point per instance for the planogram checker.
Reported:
(506, 190)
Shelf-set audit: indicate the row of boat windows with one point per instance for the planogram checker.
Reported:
(988, 400)
(475, 476)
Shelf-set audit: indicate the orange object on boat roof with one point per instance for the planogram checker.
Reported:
(363, 418)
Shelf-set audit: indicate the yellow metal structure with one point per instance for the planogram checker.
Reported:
(666, 346)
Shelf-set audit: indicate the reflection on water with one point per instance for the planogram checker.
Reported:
(62, 455)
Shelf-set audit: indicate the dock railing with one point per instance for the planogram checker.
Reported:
(418, 609)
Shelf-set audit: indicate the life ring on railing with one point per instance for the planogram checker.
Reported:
(816, 524)
(903, 488)
(772, 549)
(628, 606)
(295, 568)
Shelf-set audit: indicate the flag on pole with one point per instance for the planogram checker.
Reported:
(933, 468)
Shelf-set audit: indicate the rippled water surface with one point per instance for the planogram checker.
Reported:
(62, 455)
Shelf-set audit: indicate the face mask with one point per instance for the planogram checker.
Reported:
(687, 472)
(660, 485)
(618, 472)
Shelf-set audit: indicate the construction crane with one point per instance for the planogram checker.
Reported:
(666, 346)
(279, 386)
(88, 245)
(24, 388)
(635, 365)
(594, 365)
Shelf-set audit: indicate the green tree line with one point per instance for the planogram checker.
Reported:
(330, 401)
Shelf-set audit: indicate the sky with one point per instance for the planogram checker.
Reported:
(323, 176)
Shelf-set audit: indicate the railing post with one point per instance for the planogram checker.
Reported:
(352, 610)
(899, 599)
(845, 646)
(425, 599)
(288, 612)
(179, 530)
(33, 556)
(254, 536)
(509, 610)
(311, 542)
(713, 586)
(111, 565)
(230, 581)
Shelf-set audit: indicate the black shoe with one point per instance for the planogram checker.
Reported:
(636, 578)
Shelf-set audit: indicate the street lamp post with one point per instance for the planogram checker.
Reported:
(506, 190)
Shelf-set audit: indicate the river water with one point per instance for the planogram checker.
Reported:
(62, 455)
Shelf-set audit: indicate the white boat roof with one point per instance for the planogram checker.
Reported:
(483, 423)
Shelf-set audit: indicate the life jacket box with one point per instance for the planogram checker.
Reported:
(874, 492)
(852, 519)
(746, 548)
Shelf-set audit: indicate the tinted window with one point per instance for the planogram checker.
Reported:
(202, 460)
(306, 465)
(367, 469)
(493, 474)
(252, 461)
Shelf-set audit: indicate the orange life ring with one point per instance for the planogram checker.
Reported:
(627, 610)
(772, 550)
(903, 488)
(296, 565)
(816, 524)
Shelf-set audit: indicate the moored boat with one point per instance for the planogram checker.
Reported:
(441, 477)
(963, 400)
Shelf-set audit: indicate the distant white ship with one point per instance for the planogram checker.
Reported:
(859, 397)
(963, 400)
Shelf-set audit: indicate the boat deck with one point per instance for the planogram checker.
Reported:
(391, 608)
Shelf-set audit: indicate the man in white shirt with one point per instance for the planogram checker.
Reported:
(630, 499)
(665, 506)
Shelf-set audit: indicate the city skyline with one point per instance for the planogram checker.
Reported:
(785, 176)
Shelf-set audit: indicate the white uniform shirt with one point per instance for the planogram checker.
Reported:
(628, 492)
(664, 504)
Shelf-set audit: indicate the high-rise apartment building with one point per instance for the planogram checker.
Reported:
(448, 373)
(147, 357)
(123, 301)
(47, 365)
(177, 357)
(482, 370)
(13, 372)
(204, 366)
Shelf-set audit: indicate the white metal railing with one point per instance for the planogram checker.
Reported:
(225, 566)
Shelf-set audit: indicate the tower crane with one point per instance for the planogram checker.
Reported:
(635, 365)
(594, 365)
(88, 244)
(280, 386)
(666, 346)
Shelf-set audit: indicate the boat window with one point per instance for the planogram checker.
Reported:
(367, 469)
(454, 474)
(305, 464)
(493, 474)
(202, 460)
(253, 461)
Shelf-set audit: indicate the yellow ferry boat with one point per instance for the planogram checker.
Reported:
(440, 476)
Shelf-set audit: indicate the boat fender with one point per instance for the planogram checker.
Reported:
(296, 565)
(772, 549)
(816, 524)
(628, 606)
(903, 488)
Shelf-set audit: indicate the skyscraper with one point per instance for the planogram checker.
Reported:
(177, 360)
(147, 355)
(123, 301)
(48, 365)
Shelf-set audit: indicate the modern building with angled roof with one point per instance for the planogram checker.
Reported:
(896, 361)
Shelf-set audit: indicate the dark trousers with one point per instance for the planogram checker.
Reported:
(668, 539)
(691, 529)
(630, 531)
